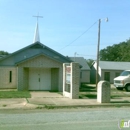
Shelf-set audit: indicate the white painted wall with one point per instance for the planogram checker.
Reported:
(112, 74)
(85, 76)
(101, 73)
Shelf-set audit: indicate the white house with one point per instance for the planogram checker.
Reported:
(85, 69)
(108, 70)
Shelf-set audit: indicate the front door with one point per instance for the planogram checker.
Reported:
(39, 79)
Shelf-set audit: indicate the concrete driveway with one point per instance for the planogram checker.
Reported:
(56, 99)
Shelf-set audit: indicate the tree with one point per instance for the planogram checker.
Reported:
(4, 53)
(117, 52)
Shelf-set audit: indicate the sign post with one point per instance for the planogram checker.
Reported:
(71, 80)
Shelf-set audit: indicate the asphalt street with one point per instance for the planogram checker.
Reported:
(63, 119)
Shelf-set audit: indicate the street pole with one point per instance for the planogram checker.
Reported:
(98, 45)
(75, 56)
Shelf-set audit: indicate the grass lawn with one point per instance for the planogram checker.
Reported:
(89, 91)
(15, 94)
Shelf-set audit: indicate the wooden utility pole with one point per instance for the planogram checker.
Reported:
(98, 45)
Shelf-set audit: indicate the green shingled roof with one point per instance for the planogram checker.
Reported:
(31, 51)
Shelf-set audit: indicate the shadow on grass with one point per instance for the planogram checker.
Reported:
(119, 96)
(116, 97)
(88, 96)
(87, 88)
(125, 101)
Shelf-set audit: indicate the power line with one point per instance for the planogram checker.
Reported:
(79, 36)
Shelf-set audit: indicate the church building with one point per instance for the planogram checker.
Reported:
(35, 67)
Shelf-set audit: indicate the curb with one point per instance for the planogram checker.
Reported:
(44, 106)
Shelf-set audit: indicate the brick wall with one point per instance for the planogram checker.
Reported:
(74, 81)
(5, 80)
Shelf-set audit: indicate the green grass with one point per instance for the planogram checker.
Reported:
(15, 94)
(89, 91)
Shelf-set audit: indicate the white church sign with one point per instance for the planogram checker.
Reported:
(68, 74)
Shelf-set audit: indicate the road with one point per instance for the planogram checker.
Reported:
(63, 119)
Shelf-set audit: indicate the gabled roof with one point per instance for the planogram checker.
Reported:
(2, 56)
(81, 61)
(33, 50)
(113, 65)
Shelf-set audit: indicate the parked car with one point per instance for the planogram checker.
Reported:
(123, 81)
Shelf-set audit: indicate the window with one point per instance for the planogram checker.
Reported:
(10, 76)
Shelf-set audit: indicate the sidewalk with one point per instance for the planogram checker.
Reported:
(50, 99)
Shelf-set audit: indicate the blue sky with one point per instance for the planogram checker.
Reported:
(64, 21)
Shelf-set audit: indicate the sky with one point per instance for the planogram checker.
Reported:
(69, 27)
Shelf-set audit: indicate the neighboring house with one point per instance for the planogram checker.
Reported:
(85, 70)
(108, 70)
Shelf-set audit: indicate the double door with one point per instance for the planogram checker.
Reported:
(39, 79)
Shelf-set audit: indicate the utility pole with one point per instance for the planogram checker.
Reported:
(98, 45)
(75, 56)
(97, 78)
